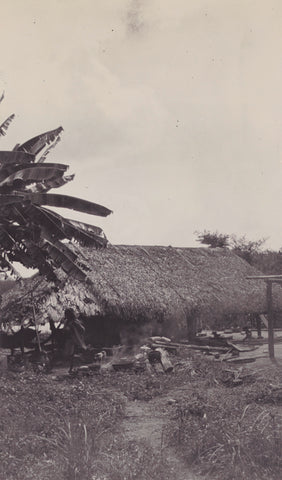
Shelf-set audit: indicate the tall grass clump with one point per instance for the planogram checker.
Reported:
(54, 430)
(226, 433)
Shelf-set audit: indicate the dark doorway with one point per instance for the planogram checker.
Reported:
(101, 331)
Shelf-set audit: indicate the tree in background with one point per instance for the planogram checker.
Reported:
(30, 233)
(212, 239)
(246, 249)
(267, 261)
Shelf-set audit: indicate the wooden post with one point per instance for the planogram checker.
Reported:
(191, 327)
(270, 320)
(35, 324)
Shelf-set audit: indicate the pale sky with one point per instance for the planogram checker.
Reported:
(172, 110)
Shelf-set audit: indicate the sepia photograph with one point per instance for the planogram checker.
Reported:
(140, 240)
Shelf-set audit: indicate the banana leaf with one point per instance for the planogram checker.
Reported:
(5, 125)
(33, 175)
(51, 226)
(72, 203)
(58, 252)
(8, 266)
(61, 259)
(85, 236)
(16, 157)
(36, 144)
(10, 199)
(44, 187)
(54, 227)
(8, 242)
(9, 168)
(74, 230)
(90, 229)
(24, 231)
(47, 151)
(66, 250)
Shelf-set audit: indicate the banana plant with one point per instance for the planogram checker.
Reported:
(30, 232)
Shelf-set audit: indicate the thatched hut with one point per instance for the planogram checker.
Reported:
(146, 290)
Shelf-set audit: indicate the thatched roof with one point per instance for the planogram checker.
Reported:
(145, 282)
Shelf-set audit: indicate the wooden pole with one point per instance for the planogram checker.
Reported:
(35, 323)
(191, 327)
(270, 320)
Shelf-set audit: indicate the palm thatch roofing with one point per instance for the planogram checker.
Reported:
(137, 282)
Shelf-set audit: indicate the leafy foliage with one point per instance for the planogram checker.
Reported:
(30, 233)
(5, 125)
(213, 239)
(267, 261)
(245, 248)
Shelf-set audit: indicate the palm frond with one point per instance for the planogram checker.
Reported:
(78, 231)
(32, 175)
(33, 256)
(8, 266)
(47, 151)
(90, 229)
(5, 125)
(9, 168)
(6, 239)
(85, 234)
(63, 260)
(10, 199)
(36, 144)
(63, 228)
(15, 157)
(44, 187)
(72, 203)
(30, 233)
(51, 225)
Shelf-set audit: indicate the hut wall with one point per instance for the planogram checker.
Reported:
(172, 324)
(136, 333)
(102, 331)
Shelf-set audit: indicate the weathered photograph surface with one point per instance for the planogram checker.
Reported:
(140, 240)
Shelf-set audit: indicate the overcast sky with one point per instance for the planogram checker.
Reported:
(172, 110)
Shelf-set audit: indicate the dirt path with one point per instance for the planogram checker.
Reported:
(146, 421)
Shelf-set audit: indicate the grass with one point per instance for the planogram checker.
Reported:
(70, 429)
(57, 429)
(229, 433)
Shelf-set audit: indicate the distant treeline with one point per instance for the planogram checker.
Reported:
(267, 261)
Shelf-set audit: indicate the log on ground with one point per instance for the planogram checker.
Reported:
(165, 361)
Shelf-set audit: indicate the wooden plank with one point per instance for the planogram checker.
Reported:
(242, 349)
(241, 360)
(207, 348)
(265, 277)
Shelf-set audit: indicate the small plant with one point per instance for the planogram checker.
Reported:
(76, 448)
